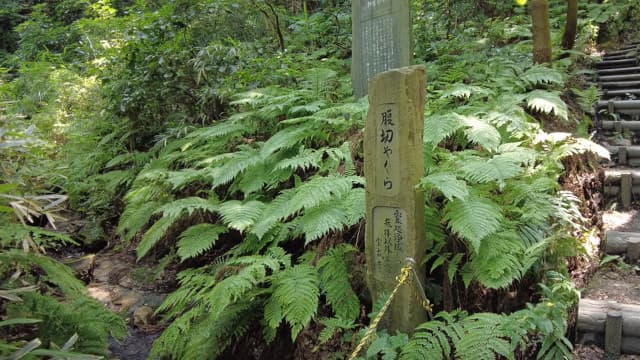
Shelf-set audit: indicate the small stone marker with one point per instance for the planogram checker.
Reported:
(393, 153)
(381, 39)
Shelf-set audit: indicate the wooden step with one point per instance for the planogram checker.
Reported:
(623, 70)
(617, 63)
(619, 125)
(622, 77)
(623, 243)
(619, 84)
(633, 54)
(629, 107)
(622, 50)
(626, 155)
(607, 93)
(622, 184)
(614, 325)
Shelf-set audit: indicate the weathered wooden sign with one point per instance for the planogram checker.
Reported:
(381, 39)
(393, 152)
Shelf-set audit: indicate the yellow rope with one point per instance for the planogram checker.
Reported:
(402, 279)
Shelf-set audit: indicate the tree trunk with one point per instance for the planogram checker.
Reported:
(571, 26)
(541, 31)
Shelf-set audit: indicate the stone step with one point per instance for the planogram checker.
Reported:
(613, 325)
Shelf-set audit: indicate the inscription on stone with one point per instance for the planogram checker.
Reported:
(390, 229)
(381, 39)
(388, 149)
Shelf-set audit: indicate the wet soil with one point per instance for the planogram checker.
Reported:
(134, 291)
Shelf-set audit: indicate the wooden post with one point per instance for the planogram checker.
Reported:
(613, 334)
(626, 189)
(381, 39)
(622, 156)
(393, 153)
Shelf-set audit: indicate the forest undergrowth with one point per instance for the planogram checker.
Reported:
(220, 139)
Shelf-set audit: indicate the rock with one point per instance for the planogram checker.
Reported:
(142, 316)
(83, 267)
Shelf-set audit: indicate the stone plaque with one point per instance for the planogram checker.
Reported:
(390, 232)
(381, 39)
(393, 154)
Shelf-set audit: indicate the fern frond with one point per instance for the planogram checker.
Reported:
(320, 220)
(333, 326)
(187, 206)
(171, 212)
(236, 163)
(152, 236)
(296, 292)
(240, 215)
(447, 183)
(540, 74)
(498, 168)
(432, 340)
(481, 133)
(547, 102)
(198, 239)
(55, 272)
(134, 217)
(439, 127)
(288, 138)
(305, 160)
(334, 280)
(464, 91)
(576, 146)
(484, 338)
(307, 195)
(180, 179)
(473, 219)
(319, 79)
(197, 334)
(252, 273)
(320, 189)
(499, 260)
(114, 179)
(217, 131)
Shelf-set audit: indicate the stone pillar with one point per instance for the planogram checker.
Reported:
(381, 39)
(393, 152)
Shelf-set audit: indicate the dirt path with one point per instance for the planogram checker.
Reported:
(128, 289)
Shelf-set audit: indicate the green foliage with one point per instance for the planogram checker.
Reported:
(54, 272)
(492, 336)
(294, 298)
(61, 320)
(334, 280)
(215, 298)
(204, 138)
(197, 239)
